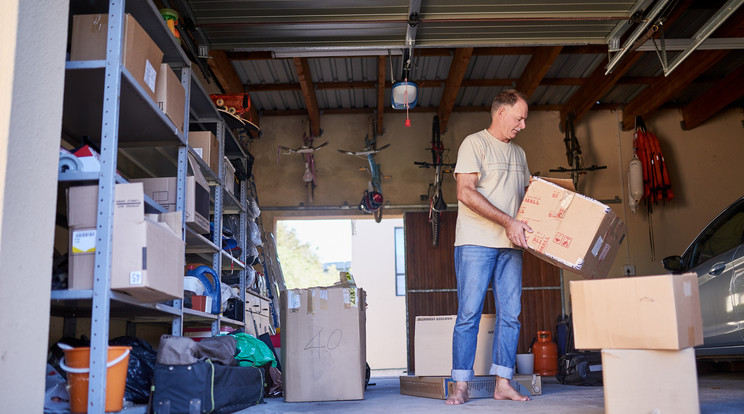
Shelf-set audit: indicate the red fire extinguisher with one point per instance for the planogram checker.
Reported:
(546, 354)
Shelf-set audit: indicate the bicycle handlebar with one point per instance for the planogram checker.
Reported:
(428, 164)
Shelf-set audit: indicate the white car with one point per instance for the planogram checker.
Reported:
(717, 256)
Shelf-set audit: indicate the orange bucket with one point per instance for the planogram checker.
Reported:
(76, 362)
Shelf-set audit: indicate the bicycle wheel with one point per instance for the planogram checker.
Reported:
(435, 224)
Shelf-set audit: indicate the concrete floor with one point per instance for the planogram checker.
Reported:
(719, 392)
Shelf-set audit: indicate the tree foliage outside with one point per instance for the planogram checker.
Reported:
(300, 263)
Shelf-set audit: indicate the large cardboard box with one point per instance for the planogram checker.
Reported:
(164, 191)
(570, 230)
(141, 56)
(323, 344)
(147, 255)
(479, 387)
(650, 381)
(644, 312)
(206, 145)
(170, 95)
(432, 345)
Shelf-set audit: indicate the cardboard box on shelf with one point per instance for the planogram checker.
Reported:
(147, 255)
(432, 345)
(650, 381)
(323, 339)
(170, 95)
(479, 387)
(206, 145)
(141, 56)
(570, 230)
(163, 190)
(643, 312)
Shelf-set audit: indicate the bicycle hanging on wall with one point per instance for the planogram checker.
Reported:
(372, 198)
(573, 156)
(306, 150)
(436, 201)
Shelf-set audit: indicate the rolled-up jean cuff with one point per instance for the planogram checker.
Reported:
(462, 375)
(500, 371)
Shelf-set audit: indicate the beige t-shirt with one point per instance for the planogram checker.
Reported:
(502, 177)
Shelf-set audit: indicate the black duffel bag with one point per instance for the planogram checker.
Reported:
(580, 368)
(204, 387)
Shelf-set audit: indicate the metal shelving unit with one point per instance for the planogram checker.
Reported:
(102, 99)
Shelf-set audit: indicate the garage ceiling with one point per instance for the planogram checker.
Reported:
(332, 56)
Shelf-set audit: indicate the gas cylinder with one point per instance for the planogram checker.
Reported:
(546, 354)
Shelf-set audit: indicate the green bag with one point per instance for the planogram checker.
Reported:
(252, 352)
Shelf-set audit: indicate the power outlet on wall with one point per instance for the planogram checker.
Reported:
(629, 270)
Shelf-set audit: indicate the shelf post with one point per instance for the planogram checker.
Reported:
(99, 325)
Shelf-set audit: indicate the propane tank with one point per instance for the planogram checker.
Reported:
(546, 354)
(635, 182)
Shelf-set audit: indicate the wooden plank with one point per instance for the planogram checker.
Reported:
(224, 72)
(227, 77)
(599, 83)
(651, 98)
(700, 61)
(714, 99)
(536, 69)
(380, 92)
(451, 87)
(308, 92)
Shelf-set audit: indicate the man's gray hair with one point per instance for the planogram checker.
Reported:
(506, 97)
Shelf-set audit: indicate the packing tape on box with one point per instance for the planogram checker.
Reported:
(310, 305)
(323, 299)
(293, 300)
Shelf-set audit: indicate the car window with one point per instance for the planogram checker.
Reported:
(725, 233)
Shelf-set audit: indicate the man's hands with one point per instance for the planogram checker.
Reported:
(515, 231)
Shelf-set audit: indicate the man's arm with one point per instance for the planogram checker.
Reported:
(468, 195)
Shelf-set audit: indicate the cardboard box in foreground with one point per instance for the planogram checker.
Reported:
(570, 230)
(644, 312)
(323, 340)
(650, 381)
(479, 387)
(433, 345)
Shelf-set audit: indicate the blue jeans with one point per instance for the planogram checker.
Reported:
(476, 267)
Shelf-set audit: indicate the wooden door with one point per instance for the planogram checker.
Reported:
(431, 288)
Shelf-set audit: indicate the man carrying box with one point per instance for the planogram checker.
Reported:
(491, 175)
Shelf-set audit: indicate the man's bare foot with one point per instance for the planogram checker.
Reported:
(504, 391)
(460, 395)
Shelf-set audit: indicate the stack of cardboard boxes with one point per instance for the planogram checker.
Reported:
(646, 328)
(147, 255)
(147, 258)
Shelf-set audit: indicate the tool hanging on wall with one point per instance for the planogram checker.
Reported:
(573, 155)
(656, 183)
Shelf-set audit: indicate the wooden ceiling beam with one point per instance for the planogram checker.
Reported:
(536, 69)
(691, 68)
(227, 77)
(452, 85)
(651, 98)
(596, 86)
(380, 92)
(600, 84)
(720, 95)
(308, 92)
